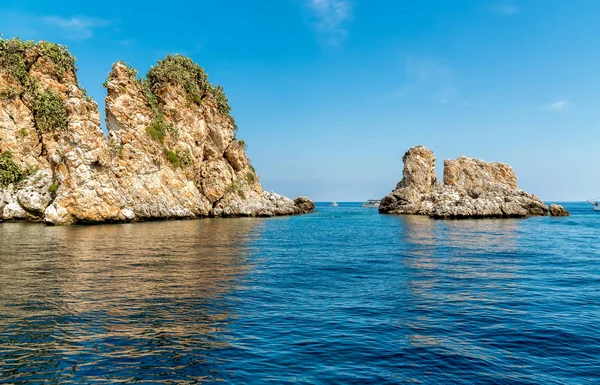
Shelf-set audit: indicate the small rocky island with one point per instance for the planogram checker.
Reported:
(472, 188)
(171, 150)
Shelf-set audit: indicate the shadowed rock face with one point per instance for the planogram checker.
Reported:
(171, 150)
(472, 189)
(558, 211)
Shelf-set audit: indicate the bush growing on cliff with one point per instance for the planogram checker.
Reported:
(132, 72)
(182, 71)
(17, 56)
(10, 172)
(157, 129)
(184, 157)
(49, 111)
(235, 187)
(9, 93)
(179, 158)
(172, 157)
(222, 101)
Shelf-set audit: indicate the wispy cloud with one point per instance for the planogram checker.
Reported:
(428, 77)
(558, 106)
(330, 18)
(504, 8)
(77, 27)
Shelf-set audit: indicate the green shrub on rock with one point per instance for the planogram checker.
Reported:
(17, 56)
(179, 158)
(10, 172)
(157, 129)
(184, 72)
(49, 111)
(172, 157)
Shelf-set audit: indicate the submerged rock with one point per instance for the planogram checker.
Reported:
(558, 211)
(472, 188)
(171, 150)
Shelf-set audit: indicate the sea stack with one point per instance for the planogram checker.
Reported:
(472, 188)
(171, 150)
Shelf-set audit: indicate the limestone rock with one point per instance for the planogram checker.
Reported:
(558, 211)
(236, 156)
(304, 204)
(14, 211)
(171, 150)
(472, 189)
(34, 195)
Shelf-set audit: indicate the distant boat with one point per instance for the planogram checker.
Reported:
(596, 205)
(372, 203)
(334, 204)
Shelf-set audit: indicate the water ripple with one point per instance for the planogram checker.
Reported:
(342, 296)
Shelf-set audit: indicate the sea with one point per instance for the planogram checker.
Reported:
(343, 295)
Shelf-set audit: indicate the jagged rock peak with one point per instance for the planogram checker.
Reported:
(171, 151)
(472, 188)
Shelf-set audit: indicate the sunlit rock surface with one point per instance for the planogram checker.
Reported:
(171, 150)
(472, 188)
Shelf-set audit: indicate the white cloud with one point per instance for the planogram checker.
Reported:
(558, 106)
(428, 77)
(331, 17)
(78, 27)
(504, 8)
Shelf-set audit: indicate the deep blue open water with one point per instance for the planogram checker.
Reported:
(340, 296)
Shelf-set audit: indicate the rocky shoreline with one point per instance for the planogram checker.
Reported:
(472, 188)
(171, 150)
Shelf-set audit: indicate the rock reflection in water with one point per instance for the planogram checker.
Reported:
(459, 273)
(119, 298)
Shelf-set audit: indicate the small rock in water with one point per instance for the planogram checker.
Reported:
(558, 211)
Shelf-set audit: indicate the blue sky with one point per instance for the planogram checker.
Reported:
(329, 94)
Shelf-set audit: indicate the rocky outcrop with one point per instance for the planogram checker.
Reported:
(171, 150)
(472, 188)
(558, 211)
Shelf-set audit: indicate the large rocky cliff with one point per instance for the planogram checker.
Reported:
(472, 188)
(171, 150)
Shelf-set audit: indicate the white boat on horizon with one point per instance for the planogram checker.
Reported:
(596, 204)
(372, 203)
(334, 204)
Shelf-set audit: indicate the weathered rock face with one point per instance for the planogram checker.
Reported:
(472, 189)
(171, 150)
(558, 211)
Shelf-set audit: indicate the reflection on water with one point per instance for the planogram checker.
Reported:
(341, 296)
(463, 276)
(76, 300)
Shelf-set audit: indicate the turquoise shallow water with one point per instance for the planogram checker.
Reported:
(343, 295)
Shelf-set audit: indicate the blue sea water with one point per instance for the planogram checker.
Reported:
(341, 296)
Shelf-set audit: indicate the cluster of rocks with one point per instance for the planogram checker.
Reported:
(472, 188)
(167, 155)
